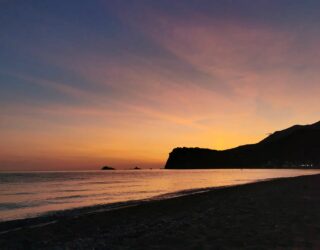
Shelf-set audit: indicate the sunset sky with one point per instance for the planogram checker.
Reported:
(121, 83)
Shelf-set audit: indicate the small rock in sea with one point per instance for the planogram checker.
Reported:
(107, 168)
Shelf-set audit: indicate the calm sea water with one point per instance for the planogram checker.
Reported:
(31, 194)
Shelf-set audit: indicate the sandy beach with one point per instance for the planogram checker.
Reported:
(276, 214)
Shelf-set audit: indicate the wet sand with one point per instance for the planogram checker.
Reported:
(276, 214)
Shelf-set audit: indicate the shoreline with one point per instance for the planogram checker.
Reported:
(78, 210)
(92, 226)
(53, 216)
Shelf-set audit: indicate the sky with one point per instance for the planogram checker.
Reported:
(121, 83)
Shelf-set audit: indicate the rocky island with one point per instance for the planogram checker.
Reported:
(107, 168)
(295, 147)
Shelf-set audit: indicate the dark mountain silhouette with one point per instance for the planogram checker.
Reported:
(295, 147)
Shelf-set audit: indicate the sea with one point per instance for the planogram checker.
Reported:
(32, 194)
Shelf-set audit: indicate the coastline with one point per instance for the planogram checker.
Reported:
(270, 213)
(53, 216)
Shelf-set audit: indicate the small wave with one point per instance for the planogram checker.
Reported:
(68, 197)
(106, 182)
(18, 193)
(11, 205)
(18, 205)
(184, 193)
(69, 191)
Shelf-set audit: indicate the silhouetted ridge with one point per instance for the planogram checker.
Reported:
(295, 147)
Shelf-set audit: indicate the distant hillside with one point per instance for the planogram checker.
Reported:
(295, 147)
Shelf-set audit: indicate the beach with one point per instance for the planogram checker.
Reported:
(275, 214)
